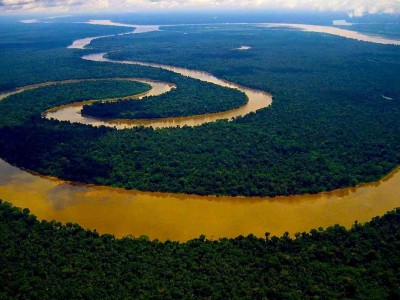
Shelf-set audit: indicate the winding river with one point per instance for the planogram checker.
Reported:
(181, 217)
(157, 88)
(256, 100)
(83, 43)
(72, 112)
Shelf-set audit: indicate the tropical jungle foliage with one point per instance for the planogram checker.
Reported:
(329, 125)
(335, 121)
(65, 93)
(198, 98)
(48, 260)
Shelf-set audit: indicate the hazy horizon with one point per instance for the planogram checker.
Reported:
(355, 8)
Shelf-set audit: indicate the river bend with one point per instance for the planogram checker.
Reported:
(181, 217)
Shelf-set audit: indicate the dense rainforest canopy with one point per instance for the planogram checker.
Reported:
(334, 121)
(48, 260)
(185, 100)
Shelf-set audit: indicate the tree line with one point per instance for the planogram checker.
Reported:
(50, 260)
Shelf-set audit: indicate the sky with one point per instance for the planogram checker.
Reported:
(352, 7)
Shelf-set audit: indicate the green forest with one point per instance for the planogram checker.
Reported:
(23, 107)
(334, 122)
(48, 260)
(329, 125)
(196, 98)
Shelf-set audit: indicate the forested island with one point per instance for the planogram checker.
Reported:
(328, 127)
(184, 101)
(49, 260)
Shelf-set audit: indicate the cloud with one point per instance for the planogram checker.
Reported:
(353, 7)
(52, 5)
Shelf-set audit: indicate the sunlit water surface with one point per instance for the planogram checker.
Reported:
(182, 217)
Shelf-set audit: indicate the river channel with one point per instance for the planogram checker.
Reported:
(182, 217)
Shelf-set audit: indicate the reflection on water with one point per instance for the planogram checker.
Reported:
(181, 217)
(243, 48)
(338, 32)
(82, 43)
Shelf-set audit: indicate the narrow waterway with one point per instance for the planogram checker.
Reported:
(256, 100)
(83, 43)
(72, 112)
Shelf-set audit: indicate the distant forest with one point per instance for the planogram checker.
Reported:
(48, 260)
(329, 125)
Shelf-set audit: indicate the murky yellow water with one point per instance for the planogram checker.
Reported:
(256, 100)
(72, 112)
(182, 217)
